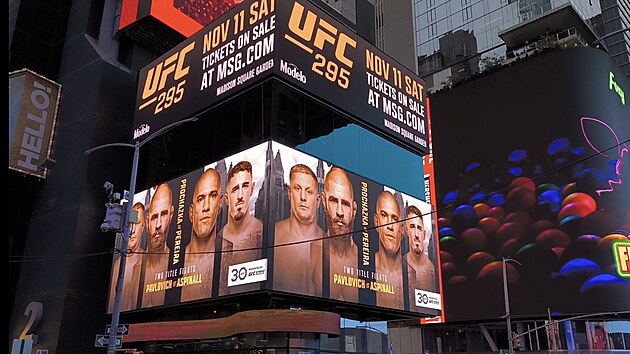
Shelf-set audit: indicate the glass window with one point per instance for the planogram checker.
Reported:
(477, 10)
(329, 342)
(288, 117)
(466, 14)
(319, 130)
(482, 41)
(303, 340)
(287, 126)
(492, 5)
(458, 21)
(479, 25)
(277, 339)
(441, 12)
(319, 122)
(442, 27)
(233, 126)
(375, 341)
(432, 30)
(420, 23)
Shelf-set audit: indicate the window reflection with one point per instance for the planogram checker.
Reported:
(276, 111)
(440, 51)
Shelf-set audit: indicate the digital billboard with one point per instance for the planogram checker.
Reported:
(273, 218)
(184, 16)
(538, 176)
(298, 43)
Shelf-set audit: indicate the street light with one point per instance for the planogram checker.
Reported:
(506, 300)
(111, 344)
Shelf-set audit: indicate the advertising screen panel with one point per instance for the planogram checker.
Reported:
(297, 42)
(539, 176)
(274, 218)
(33, 103)
(197, 228)
(133, 264)
(351, 235)
(429, 197)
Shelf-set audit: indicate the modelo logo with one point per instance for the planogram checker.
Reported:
(293, 71)
(143, 129)
(155, 89)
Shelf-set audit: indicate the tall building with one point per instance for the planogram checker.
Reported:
(474, 114)
(61, 262)
(615, 17)
(459, 38)
(394, 31)
(107, 56)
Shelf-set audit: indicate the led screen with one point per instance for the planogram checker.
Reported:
(274, 218)
(297, 42)
(184, 16)
(529, 166)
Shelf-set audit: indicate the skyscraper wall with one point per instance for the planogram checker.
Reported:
(454, 36)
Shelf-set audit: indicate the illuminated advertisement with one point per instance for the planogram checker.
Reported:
(622, 258)
(429, 197)
(296, 42)
(33, 103)
(184, 16)
(597, 335)
(538, 177)
(274, 218)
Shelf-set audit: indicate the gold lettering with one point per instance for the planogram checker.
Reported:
(340, 51)
(413, 88)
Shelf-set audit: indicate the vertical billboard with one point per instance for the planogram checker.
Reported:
(33, 103)
(540, 177)
(133, 264)
(297, 42)
(273, 218)
(429, 197)
(200, 229)
(343, 237)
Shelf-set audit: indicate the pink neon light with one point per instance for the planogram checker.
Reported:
(622, 149)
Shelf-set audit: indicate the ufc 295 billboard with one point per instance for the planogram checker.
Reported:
(301, 227)
(299, 43)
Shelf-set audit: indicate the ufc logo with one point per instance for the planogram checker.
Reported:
(318, 32)
(159, 75)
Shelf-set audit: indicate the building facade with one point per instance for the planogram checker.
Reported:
(458, 39)
(60, 258)
(615, 17)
